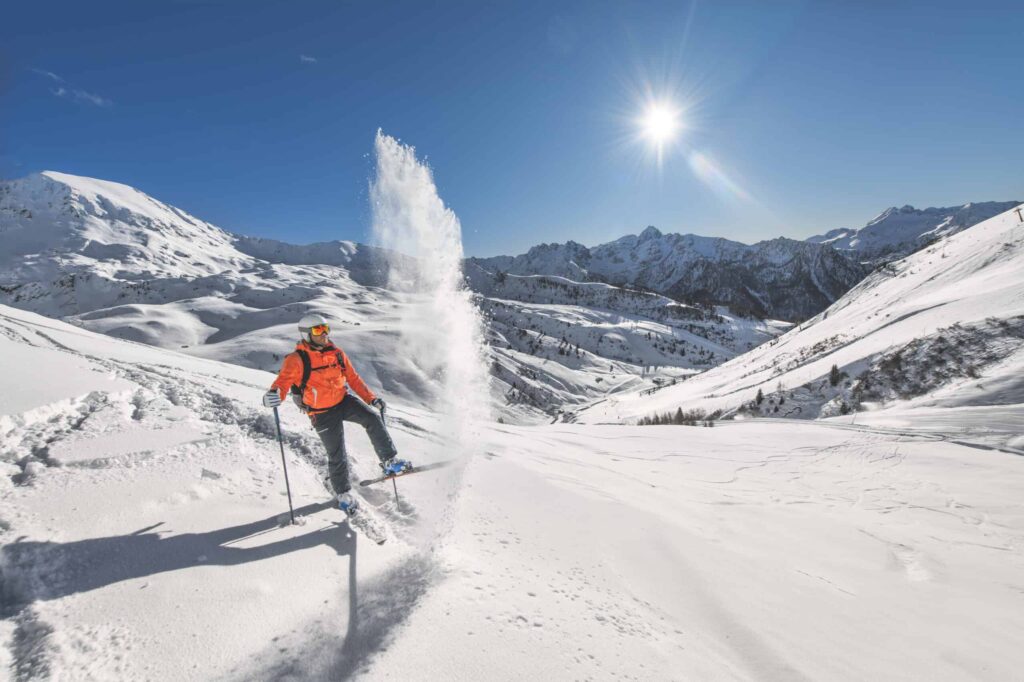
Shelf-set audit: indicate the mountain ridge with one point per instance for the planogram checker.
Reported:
(897, 232)
(940, 328)
(109, 258)
(778, 278)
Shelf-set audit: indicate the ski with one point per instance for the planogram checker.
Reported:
(411, 470)
(359, 520)
(372, 528)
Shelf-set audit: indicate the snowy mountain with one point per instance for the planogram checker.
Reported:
(110, 258)
(143, 535)
(942, 328)
(780, 278)
(898, 232)
(144, 523)
(62, 229)
(557, 344)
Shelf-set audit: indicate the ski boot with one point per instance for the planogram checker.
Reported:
(395, 466)
(361, 519)
(347, 503)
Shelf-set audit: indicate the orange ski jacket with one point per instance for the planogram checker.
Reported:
(328, 380)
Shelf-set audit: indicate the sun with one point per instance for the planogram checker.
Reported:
(660, 123)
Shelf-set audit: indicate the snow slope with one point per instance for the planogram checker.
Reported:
(142, 492)
(55, 224)
(140, 540)
(111, 259)
(557, 344)
(898, 232)
(114, 260)
(942, 327)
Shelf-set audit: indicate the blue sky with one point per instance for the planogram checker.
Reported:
(260, 116)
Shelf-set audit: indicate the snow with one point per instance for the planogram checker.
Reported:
(970, 285)
(147, 539)
(769, 278)
(54, 222)
(897, 232)
(27, 395)
(143, 516)
(753, 550)
(106, 262)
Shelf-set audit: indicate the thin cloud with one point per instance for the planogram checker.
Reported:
(306, 59)
(49, 74)
(83, 97)
(66, 91)
(90, 98)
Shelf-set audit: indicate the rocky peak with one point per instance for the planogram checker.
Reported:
(650, 232)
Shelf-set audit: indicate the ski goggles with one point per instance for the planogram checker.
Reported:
(320, 329)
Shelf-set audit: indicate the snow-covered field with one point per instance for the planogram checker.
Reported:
(141, 540)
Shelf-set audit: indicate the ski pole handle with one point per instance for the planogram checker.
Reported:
(382, 407)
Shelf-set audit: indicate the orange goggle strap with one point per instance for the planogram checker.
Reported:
(320, 329)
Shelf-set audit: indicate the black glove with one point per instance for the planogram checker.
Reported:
(271, 398)
(380, 405)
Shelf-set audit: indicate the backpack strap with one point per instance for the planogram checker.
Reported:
(308, 369)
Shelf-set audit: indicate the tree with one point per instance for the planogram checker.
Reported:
(760, 397)
(834, 376)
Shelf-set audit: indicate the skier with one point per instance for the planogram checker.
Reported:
(318, 375)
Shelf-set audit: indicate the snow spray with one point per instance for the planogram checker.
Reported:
(442, 333)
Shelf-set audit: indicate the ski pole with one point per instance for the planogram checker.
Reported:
(394, 483)
(287, 486)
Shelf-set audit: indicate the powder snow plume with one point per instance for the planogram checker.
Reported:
(443, 335)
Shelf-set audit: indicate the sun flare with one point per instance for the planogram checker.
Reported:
(660, 123)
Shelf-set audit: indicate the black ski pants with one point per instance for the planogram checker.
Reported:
(330, 426)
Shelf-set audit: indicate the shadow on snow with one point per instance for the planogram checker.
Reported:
(32, 571)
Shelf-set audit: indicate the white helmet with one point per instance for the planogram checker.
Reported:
(308, 322)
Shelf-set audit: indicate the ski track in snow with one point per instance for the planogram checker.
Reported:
(44, 446)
